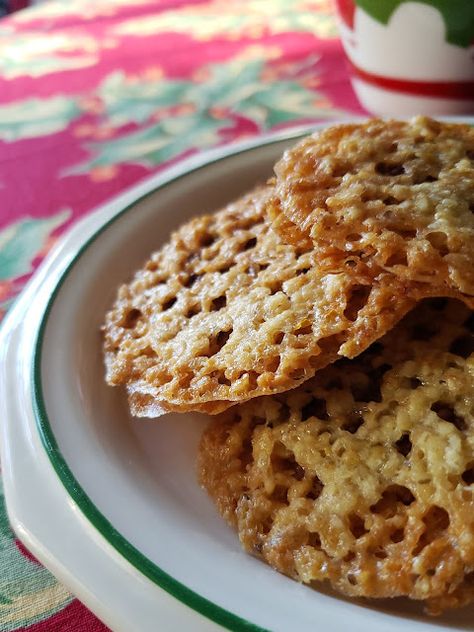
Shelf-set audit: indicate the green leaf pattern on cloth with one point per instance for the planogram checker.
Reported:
(156, 143)
(207, 107)
(21, 242)
(458, 16)
(32, 118)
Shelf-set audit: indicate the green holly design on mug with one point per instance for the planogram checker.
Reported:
(458, 16)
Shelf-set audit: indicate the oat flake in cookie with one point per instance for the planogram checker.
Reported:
(363, 476)
(400, 194)
(226, 311)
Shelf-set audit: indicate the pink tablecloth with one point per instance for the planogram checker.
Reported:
(97, 94)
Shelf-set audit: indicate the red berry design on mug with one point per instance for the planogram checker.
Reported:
(346, 11)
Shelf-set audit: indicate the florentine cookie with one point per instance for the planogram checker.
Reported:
(400, 194)
(364, 475)
(226, 311)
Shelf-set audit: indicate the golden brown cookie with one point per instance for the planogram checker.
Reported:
(364, 475)
(397, 194)
(226, 311)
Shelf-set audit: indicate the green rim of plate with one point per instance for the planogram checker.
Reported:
(142, 563)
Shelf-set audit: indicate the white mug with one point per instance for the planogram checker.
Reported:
(410, 57)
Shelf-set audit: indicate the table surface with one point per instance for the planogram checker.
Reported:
(97, 94)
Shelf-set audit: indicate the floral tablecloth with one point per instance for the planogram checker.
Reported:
(97, 94)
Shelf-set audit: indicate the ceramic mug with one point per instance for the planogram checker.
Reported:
(410, 57)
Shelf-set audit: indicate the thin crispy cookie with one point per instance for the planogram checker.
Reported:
(226, 312)
(400, 194)
(363, 476)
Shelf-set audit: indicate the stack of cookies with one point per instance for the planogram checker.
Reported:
(325, 318)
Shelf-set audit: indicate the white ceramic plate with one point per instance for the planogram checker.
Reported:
(110, 504)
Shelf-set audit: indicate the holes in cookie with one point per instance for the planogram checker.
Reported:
(436, 521)
(357, 526)
(314, 540)
(446, 412)
(439, 241)
(470, 154)
(356, 301)
(302, 271)
(186, 380)
(192, 311)
(352, 579)
(169, 303)
(218, 303)
(340, 170)
(151, 266)
(220, 377)
(390, 201)
(369, 196)
(148, 352)
(403, 445)
(389, 169)
(191, 280)
(278, 337)
(380, 554)
(279, 494)
(286, 463)
(192, 259)
(423, 178)
(272, 364)
(298, 472)
(316, 488)
(397, 535)
(282, 458)
(250, 243)
(275, 287)
(315, 408)
(217, 342)
(255, 421)
(302, 331)
(391, 499)
(468, 474)
(246, 451)
(207, 240)
(354, 424)
(462, 346)
(131, 318)
(225, 268)
(405, 234)
(354, 237)
(349, 557)
(327, 344)
(397, 259)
